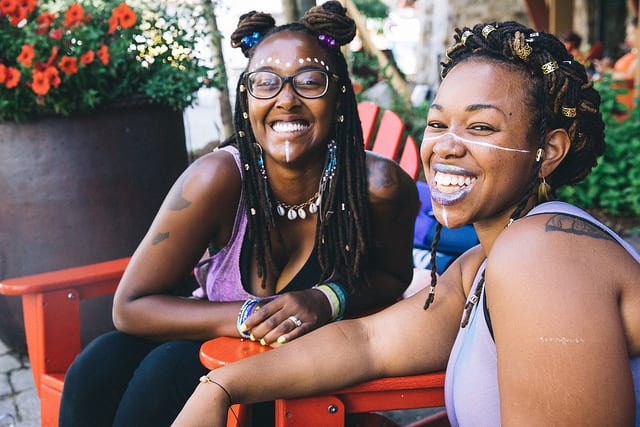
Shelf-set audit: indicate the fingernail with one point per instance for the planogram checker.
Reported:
(251, 337)
(282, 340)
(263, 342)
(243, 328)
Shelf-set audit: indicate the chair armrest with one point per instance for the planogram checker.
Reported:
(91, 280)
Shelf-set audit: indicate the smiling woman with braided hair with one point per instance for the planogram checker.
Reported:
(303, 227)
(539, 323)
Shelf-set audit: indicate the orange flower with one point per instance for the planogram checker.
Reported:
(18, 15)
(3, 73)
(8, 6)
(40, 83)
(53, 76)
(69, 65)
(123, 16)
(103, 54)
(30, 5)
(13, 77)
(73, 15)
(87, 57)
(26, 55)
(44, 22)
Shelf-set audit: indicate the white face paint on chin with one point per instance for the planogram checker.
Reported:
(445, 219)
(287, 150)
(476, 143)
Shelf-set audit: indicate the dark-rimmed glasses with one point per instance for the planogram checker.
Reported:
(308, 84)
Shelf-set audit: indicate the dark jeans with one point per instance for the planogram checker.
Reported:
(123, 380)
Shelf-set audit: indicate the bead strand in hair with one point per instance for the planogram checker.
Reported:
(433, 266)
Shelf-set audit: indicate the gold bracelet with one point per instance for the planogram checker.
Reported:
(206, 379)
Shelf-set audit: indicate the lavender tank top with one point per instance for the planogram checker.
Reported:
(472, 397)
(219, 275)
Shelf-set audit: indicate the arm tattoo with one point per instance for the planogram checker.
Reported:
(177, 201)
(573, 225)
(159, 238)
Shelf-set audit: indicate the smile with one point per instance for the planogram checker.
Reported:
(288, 127)
(449, 188)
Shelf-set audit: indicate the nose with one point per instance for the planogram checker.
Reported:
(445, 145)
(287, 96)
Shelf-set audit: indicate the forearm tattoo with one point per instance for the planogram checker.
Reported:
(572, 225)
(159, 238)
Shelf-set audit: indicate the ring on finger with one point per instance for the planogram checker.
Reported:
(295, 321)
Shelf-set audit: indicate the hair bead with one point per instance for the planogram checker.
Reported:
(487, 30)
(549, 67)
(568, 111)
(465, 36)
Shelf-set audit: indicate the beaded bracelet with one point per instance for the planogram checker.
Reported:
(245, 312)
(343, 297)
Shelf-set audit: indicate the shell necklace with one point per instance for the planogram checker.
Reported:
(300, 210)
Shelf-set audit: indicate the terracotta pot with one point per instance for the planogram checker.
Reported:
(79, 190)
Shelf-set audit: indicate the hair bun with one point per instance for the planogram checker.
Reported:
(248, 24)
(330, 18)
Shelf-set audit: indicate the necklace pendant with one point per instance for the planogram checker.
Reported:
(292, 214)
(280, 210)
(313, 208)
(302, 213)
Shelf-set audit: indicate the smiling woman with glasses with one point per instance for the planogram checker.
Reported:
(289, 223)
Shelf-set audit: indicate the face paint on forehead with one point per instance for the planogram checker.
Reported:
(290, 63)
(477, 143)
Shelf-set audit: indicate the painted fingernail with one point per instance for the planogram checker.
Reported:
(243, 328)
(251, 337)
(263, 342)
(282, 340)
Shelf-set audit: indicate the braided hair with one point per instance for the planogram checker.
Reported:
(561, 96)
(342, 230)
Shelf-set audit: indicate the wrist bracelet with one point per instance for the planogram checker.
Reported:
(206, 379)
(342, 295)
(331, 296)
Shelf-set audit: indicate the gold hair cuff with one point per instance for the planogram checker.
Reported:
(549, 67)
(568, 112)
(522, 50)
(242, 88)
(465, 36)
(539, 154)
(487, 29)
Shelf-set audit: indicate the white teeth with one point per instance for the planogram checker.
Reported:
(289, 126)
(447, 179)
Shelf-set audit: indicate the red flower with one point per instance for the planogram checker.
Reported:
(69, 65)
(103, 54)
(73, 15)
(40, 83)
(8, 6)
(3, 73)
(53, 75)
(18, 15)
(13, 77)
(26, 55)
(56, 34)
(87, 57)
(122, 15)
(44, 22)
(30, 5)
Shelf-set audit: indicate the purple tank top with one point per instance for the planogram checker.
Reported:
(219, 275)
(472, 397)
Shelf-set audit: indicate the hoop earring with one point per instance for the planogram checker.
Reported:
(544, 191)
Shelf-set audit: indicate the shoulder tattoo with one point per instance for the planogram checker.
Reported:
(177, 201)
(573, 225)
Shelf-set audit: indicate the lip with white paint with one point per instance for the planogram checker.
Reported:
(450, 184)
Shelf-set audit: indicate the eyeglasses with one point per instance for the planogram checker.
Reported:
(308, 84)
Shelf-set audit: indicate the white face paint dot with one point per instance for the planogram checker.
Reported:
(269, 59)
(277, 61)
(288, 65)
(300, 60)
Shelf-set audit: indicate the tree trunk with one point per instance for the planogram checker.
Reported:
(226, 116)
(290, 10)
(304, 5)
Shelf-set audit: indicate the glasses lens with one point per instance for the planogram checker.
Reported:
(264, 84)
(311, 83)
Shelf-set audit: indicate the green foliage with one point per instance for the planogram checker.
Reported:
(372, 8)
(53, 61)
(614, 184)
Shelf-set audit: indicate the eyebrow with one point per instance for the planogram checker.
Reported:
(474, 107)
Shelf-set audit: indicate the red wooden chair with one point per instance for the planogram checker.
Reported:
(51, 307)
(388, 140)
(51, 301)
(330, 409)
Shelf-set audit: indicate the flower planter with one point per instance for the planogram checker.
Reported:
(79, 190)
